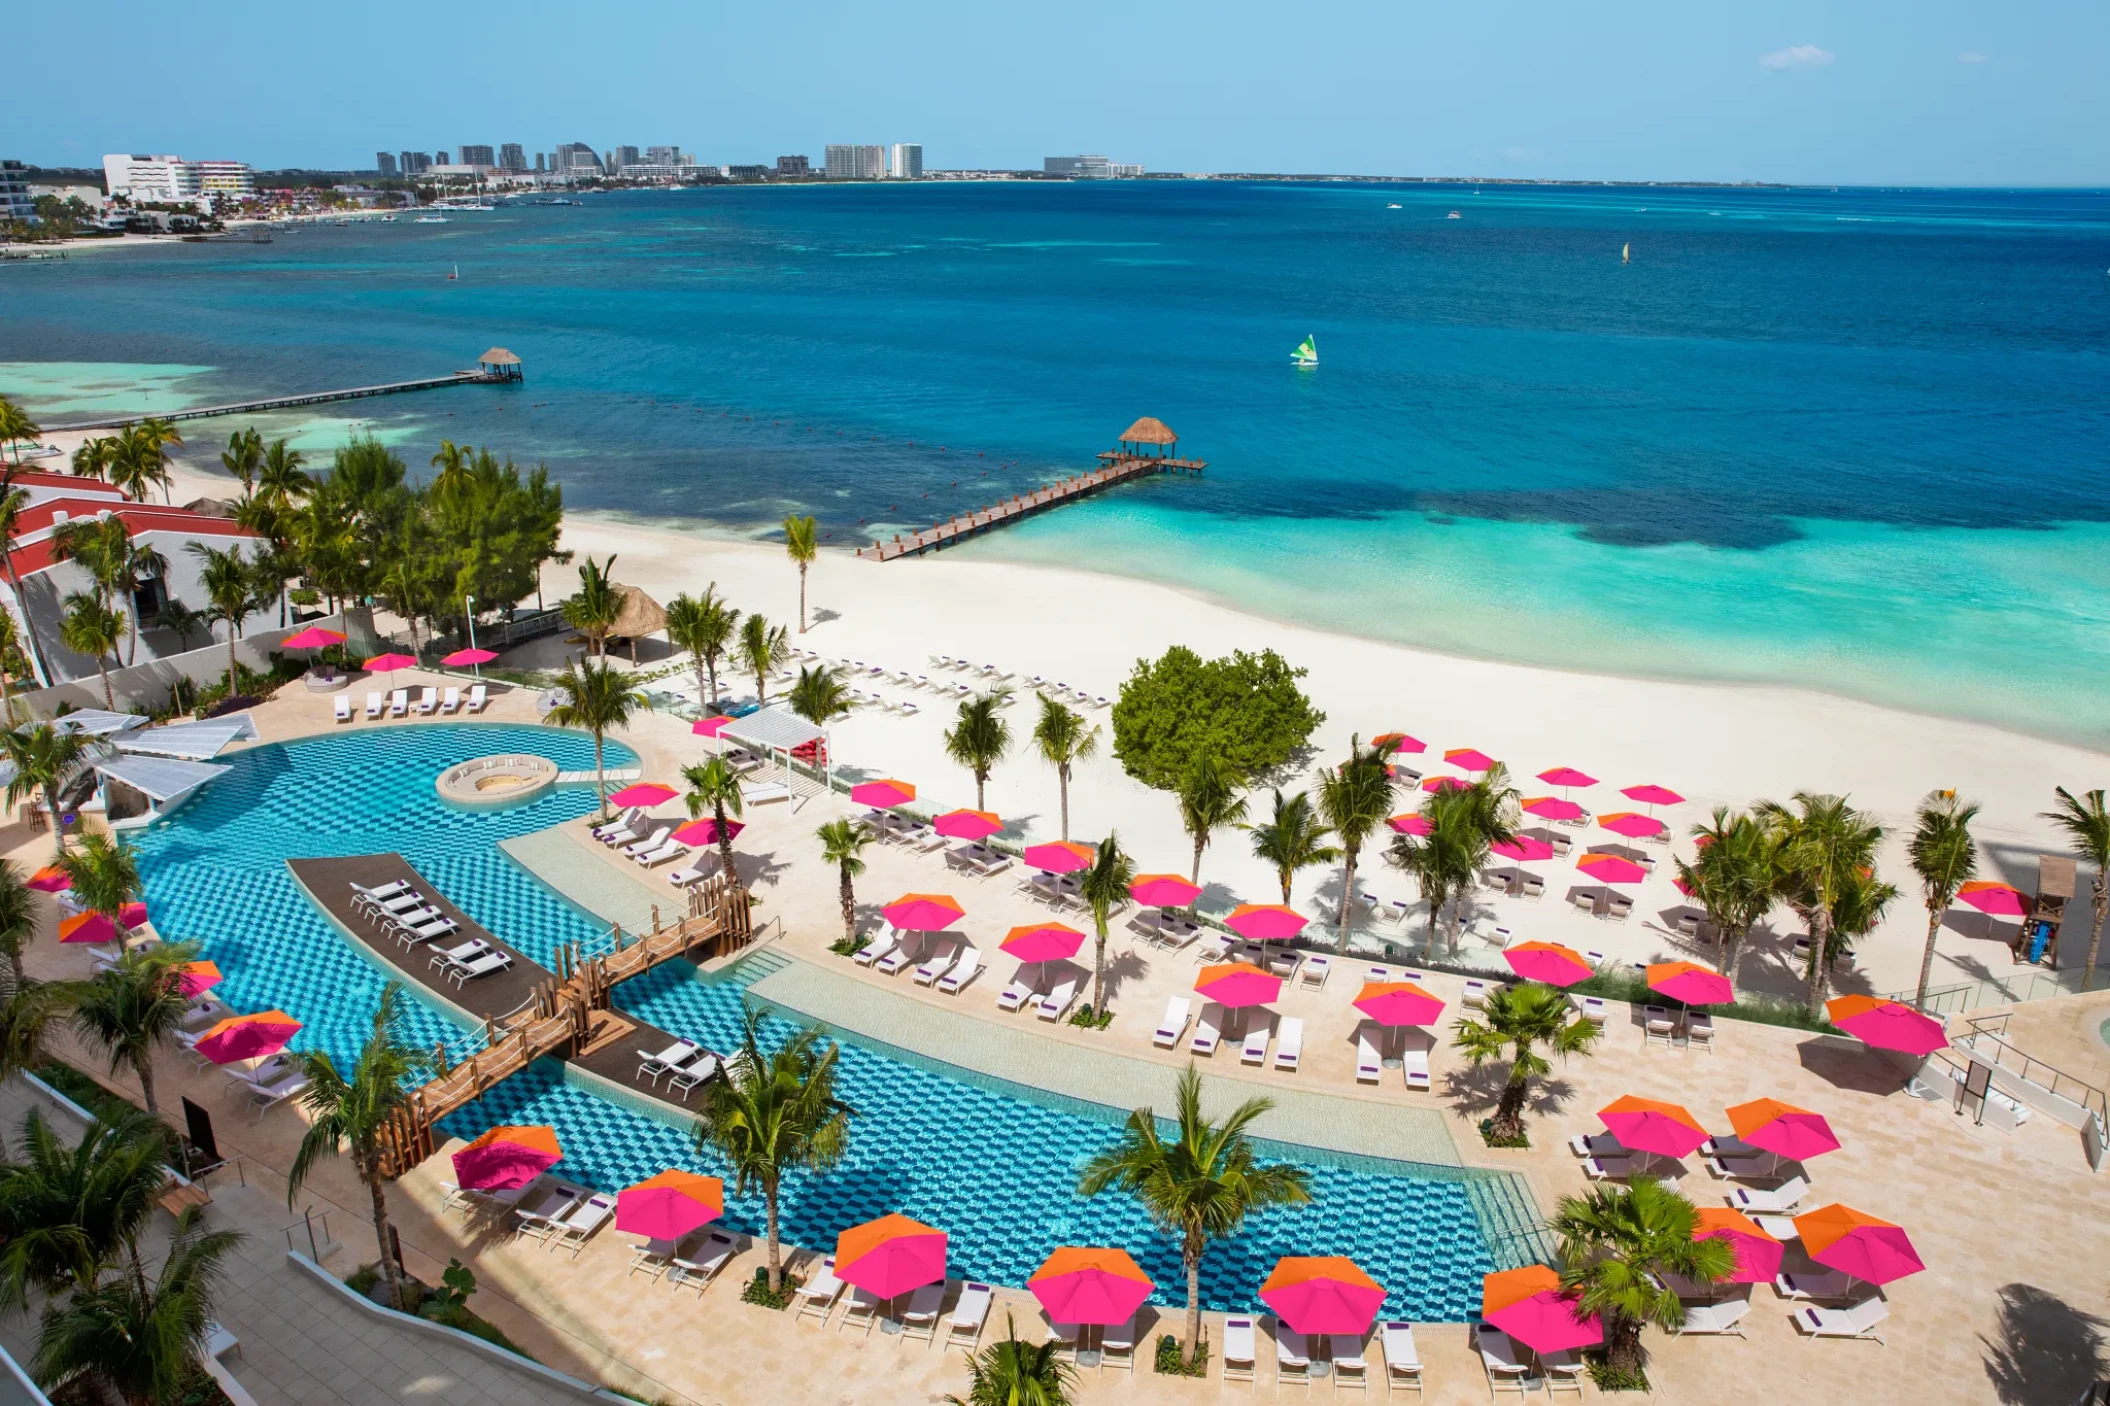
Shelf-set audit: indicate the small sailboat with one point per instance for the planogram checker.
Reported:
(457, 273)
(1307, 352)
(1393, 206)
(1454, 215)
(1626, 253)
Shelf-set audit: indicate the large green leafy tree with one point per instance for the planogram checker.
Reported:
(69, 1211)
(599, 700)
(1946, 858)
(761, 648)
(1616, 1244)
(16, 426)
(103, 872)
(1246, 710)
(776, 1111)
(230, 592)
(1103, 887)
(800, 546)
(715, 787)
(593, 608)
(89, 627)
(1210, 799)
(355, 1112)
(14, 502)
(1518, 1020)
(819, 695)
(1446, 861)
(2086, 823)
(978, 740)
(1200, 1184)
(1731, 877)
(18, 920)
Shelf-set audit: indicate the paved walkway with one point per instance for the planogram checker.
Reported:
(560, 860)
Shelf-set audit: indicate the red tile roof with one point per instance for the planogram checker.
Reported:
(139, 518)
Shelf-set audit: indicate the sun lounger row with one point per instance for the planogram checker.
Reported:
(684, 1063)
(1050, 1005)
(693, 1262)
(1345, 1352)
(471, 959)
(398, 704)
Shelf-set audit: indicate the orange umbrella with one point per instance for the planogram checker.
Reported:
(1856, 1243)
(252, 1036)
(1530, 1306)
(1650, 1125)
(1323, 1294)
(1083, 1284)
(891, 1255)
(1757, 1253)
(1236, 984)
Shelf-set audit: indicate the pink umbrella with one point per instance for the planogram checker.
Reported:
(1446, 783)
(1530, 1306)
(1783, 1129)
(87, 927)
(50, 879)
(1077, 1284)
(1690, 982)
(1398, 1003)
(1994, 900)
(132, 914)
(924, 912)
(1523, 847)
(194, 977)
(462, 657)
(314, 637)
(1567, 776)
(883, 794)
(1553, 808)
(389, 663)
(1265, 922)
(705, 831)
(1235, 985)
(1322, 1294)
(1397, 742)
(1059, 856)
(507, 1157)
(1163, 891)
(643, 793)
(251, 1036)
(1469, 759)
(1652, 795)
(890, 1256)
(1856, 1243)
(1042, 942)
(1625, 822)
(670, 1205)
(1549, 962)
(711, 727)
(1886, 1025)
(1649, 1125)
(968, 824)
(1611, 868)
(1410, 824)
(1757, 1253)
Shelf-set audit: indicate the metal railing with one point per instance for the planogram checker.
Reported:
(1990, 1031)
(316, 1230)
(2004, 991)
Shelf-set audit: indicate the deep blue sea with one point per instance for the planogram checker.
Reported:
(1857, 439)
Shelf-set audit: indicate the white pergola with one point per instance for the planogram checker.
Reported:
(777, 731)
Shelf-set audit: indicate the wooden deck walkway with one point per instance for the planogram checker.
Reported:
(285, 402)
(528, 1011)
(1119, 468)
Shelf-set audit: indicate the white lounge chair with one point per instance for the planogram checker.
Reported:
(1564, 1371)
(344, 707)
(652, 840)
(893, 961)
(477, 698)
(1056, 1004)
(1859, 1321)
(669, 848)
(963, 971)
(1596, 1145)
(1063, 1335)
(1414, 1060)
(537, 1217)
(1778, 1201)
(1593, 1009)
(1402, 1361)
(1292, 1356)
(672, 1057)
(1723, 1317)
(938, 963)
(1369, 1063)
(451, 700)
(265, 1097)
(920, 1319)
(577, 1226)
(700, 1268)
(1174, 1024)
(1316, 970)
(482, 964)
(1290, 1048)
(1117, 1346)
(1256, 1041)
(1505, 1370)
(655, 1257)
(817, 1295)
(1239, 1341)
(1015, 995)
(698, 1070)
(373, 705)
(1808, 1288)
(428, 699)
(864, 1308)
(626, 821)
(1351, 1371)
(964, 1328)
(399, 703)
(702, 867)
(1207, 1029)
(1608, 1168)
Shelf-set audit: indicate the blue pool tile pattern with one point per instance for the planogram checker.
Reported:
(994, 1165)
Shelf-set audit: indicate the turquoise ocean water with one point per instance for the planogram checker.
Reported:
(1854, 439)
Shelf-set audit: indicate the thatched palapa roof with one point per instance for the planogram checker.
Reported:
(1149, 431)
(641, 615)
(498, 356)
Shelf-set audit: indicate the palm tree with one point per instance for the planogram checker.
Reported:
(95, 457)
(1013, 1373)
(1516, 1021)
(1063, 738)
(715, 786)
(10, 646)
(597, 699)
(1355, 797)
(16, 426)
(229, 591)
(1822, 845)
(156, 435)
(1860, 906)
(131, 1009)
(89, 627)
(1209, 800)
(1201, 1185)
(1295, 839)
(1946, 858)
(1731, 878)
(775, 1112)
(1445, 861)
(592, 611)
(134, 1343)
(762, 648)
(280, 479)
(18, 919)
(2087, 825)
(819, 695)
(104, 876)
(1104, 886)
(801, 548)
(453, 463)
(1617, 1244)
(243, 457)
(13, 503)
(28, 1011)
(843, 844)
(979, 740)
(355, 1112)
(67, 1212)
(44, 760)
(703, 625)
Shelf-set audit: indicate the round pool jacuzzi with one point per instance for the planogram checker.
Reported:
(487, 783)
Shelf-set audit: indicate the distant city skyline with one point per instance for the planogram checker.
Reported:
(1927, 92)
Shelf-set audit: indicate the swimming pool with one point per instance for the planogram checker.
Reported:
(993, 1164)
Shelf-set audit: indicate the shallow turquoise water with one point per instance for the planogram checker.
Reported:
(993, 1164)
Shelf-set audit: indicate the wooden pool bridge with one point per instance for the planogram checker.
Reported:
(528, 1010)
(1130, 460)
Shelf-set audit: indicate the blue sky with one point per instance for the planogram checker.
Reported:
(1926, 92)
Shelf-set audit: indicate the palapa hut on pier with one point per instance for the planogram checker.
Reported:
(498, 364)
(1152, 439)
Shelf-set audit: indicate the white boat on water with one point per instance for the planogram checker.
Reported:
(430, 220)
(1454, 215)
(1626, 253)
(1307, 353)
(1392, 206)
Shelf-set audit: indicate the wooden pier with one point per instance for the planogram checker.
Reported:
(1129, 461)
(496, 367)
(528, 1011)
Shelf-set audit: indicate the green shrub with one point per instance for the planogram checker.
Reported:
(1759, 1010)
(1170, 1363)
(1487, 1135)
(1090, 1019)
(1607, 1379)
(757, 1290)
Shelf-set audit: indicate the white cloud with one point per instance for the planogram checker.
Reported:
(1970, 56)
(1800, 56)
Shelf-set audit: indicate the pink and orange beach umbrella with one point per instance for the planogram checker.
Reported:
(1652, 795)
(1398, 1003)
(1042, 942)
(1530, 1305)
(1611, 868)
(469, 658)
(1265, 922)
(1089, 1284)
(1322, 1294)
(890, 1256)
(705, 831)
(883, 794)
(1234, 985)
(1397, 742)
(1994, 900)
(1650, 1125)
(711, 727)
(252, 1036)
(1553, 808)
(1163, 891)
(1523, 849)
(389, 663)
(1549, 962)
(1886, 1025)
(1856, 1243)
(1690, 982)
(1410, 824)
(968, 824)
(1783, 1129)
(1567, 776)
(192, 978)
(50, 879)
(1059, 856)
(1446, 783)
(670, 1205)
(314, 637)
(642, 793)
(506, 1157)
(1629, 823)
(1757, 1253)
(97, 927)
(924, 912)
(1468, 759)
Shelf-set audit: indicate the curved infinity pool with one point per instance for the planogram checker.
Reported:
(992, 1163)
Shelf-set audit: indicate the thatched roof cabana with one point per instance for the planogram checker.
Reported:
(500, 363)
(1149, 430)
(640, 616)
